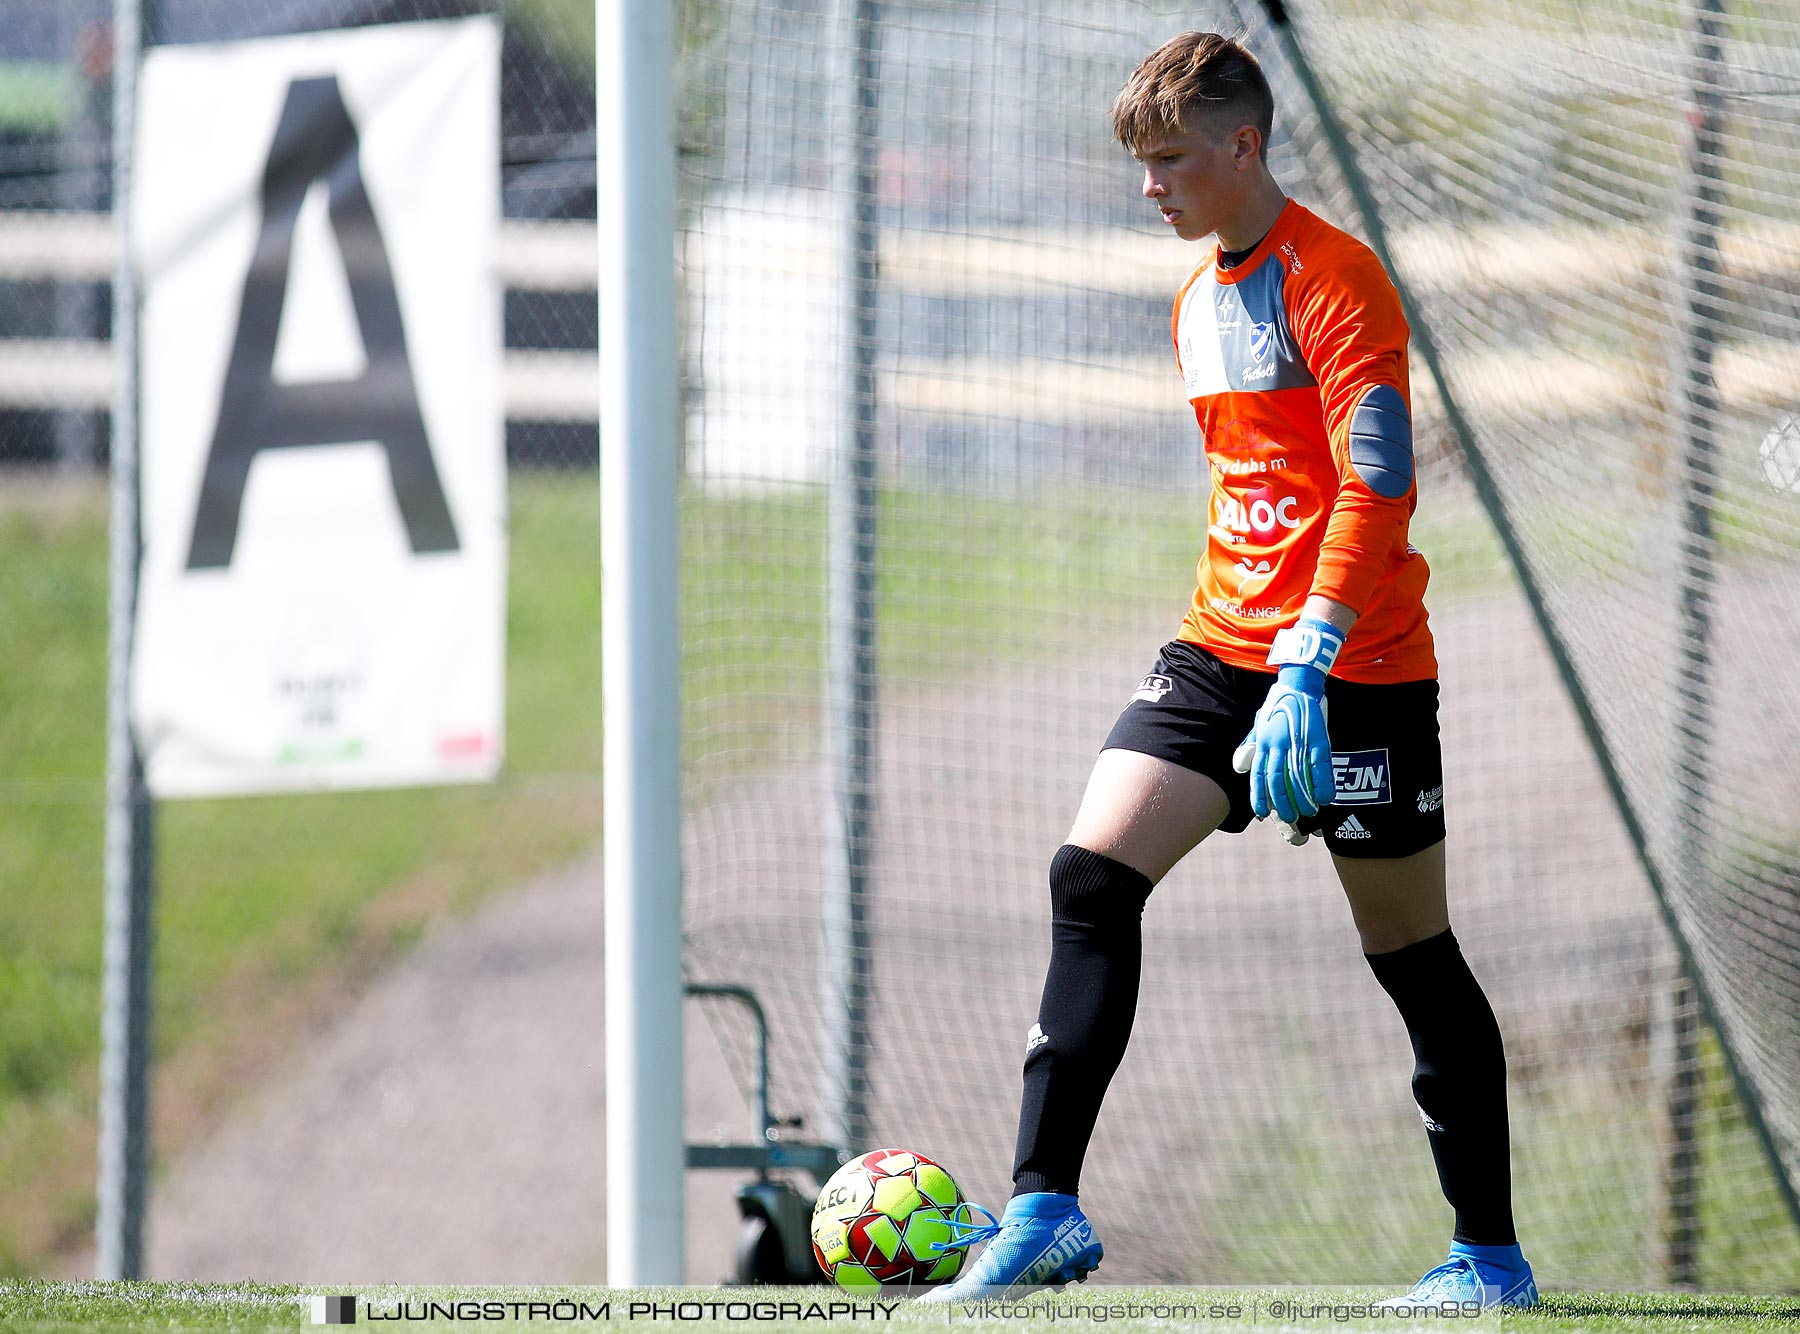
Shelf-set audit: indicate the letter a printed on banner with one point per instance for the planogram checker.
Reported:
(322, 596)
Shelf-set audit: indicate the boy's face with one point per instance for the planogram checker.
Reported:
(1198, 177)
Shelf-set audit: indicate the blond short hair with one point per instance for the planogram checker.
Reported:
(1196, 75)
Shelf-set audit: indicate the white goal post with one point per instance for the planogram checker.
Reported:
(640, 641)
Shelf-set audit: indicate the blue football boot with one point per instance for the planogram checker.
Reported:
(1490, 1275)
(1043, 1240)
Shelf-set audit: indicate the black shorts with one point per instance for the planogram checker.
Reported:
(1194, 710)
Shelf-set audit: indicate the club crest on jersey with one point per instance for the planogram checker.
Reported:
(1363, 777)
(1152, 688)
(1262, 340)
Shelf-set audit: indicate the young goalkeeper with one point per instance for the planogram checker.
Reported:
(1302, 684)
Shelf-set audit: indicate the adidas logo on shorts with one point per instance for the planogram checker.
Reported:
(1353, 828)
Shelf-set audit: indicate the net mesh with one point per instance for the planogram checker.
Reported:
(1039, 510)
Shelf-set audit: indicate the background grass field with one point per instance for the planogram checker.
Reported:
(45, 1307)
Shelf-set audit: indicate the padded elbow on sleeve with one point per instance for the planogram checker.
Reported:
(1381, 445)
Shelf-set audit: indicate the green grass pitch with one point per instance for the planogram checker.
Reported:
(35, 1306)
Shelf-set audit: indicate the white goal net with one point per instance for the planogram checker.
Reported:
(1592, 209)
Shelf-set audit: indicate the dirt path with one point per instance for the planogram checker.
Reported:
(448, 1127)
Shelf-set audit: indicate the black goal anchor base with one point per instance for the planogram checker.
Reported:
(775, 1238)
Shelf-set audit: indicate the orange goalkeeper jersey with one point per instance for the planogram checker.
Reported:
(1295, 363)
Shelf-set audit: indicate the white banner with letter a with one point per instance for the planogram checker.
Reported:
(322, 601)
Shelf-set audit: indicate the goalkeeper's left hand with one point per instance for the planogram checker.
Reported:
(1288, 751)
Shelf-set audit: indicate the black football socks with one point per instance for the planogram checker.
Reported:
(1459, 1081)
(1084, 1019)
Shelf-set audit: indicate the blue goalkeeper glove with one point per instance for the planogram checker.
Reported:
(1288, 752)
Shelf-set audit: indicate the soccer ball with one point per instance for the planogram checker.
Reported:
(877, 1218)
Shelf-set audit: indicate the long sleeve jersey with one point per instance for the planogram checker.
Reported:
(1295, 363)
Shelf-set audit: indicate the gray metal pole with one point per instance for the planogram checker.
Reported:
(1689, 796)
(850, 668)
(125, 1001)
(1676, 1065)
(79, 190)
